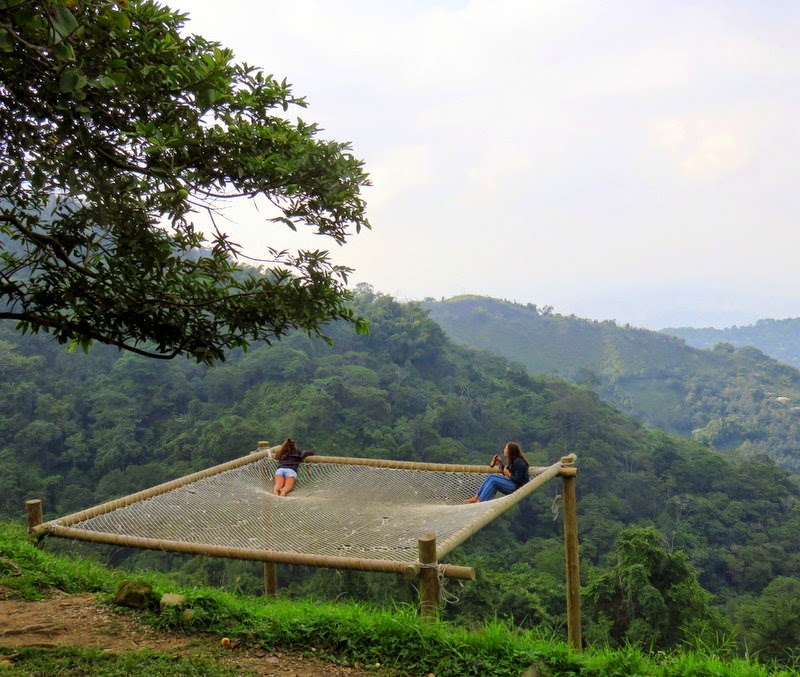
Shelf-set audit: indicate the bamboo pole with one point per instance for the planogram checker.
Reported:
(499, 506)
(270, 579)
(270, 568)
(33, 511)
(103, 508)
(428, 578)
(278, 557)
(403, 465)
(571, 549)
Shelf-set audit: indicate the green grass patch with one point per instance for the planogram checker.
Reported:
(64, 662)
(395, 639)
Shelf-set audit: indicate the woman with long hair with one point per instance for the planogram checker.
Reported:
(289, 458)
(515, 474)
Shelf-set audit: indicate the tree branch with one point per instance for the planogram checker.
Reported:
(55, 245)
(51, 324)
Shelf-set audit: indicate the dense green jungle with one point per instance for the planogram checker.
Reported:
(678, 541)
(734, 399)
(777, 338)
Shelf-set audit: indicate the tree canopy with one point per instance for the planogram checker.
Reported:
(117, 131)
(650, 596)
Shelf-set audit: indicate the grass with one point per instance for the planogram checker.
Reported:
(36, 662)
(396, 640)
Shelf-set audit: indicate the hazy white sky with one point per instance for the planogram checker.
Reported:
(631, 160)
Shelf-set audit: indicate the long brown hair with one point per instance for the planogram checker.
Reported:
(287, 447)
(515, 452)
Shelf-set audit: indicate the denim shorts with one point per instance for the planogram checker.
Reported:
(286, 472)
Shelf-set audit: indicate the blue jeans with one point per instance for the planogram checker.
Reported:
(493, 484)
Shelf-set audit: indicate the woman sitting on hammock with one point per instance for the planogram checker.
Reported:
(289, 458)
(515, 474)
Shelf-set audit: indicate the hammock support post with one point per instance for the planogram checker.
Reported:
(573, 572)
(428, 578)
(33, 511)
(270, 568)
(270, 579)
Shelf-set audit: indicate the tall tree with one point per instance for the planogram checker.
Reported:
(770, 623)
(116, 131)
(650, 596)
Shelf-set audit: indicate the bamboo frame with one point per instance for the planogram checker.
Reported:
(430, 553)
(103, 508)
(254, 456)
(402, 465)
(322, 561)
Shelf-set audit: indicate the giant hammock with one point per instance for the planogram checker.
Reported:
(345, 513)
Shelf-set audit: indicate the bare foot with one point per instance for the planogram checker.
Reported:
(282, 492)
(474, 499)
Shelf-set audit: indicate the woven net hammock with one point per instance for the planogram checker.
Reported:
(344, 513)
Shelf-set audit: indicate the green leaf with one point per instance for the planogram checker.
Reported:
(208, 97)
(63, 20)
(362, 326)
(63, 51)
(106, 82)
(71, 80)
(121, 20)
(6, 41)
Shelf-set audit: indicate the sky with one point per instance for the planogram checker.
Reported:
(625, 160)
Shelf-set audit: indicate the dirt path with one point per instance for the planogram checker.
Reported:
(81, 621)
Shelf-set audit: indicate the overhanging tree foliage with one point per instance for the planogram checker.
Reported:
(115, 130)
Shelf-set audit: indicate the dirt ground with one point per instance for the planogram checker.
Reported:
(81, 621)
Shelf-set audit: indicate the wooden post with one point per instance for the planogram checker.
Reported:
(428, 578)
(33, 510)
(568, 473)
(270, 568)
(270, 579)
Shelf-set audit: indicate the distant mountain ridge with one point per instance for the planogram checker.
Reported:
(737, 400)
(777, 338)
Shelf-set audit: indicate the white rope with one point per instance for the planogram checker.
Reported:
(445, 596)
(554, 506)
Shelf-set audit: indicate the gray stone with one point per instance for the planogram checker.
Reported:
(134, 594)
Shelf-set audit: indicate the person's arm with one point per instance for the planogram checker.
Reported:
(306, 454)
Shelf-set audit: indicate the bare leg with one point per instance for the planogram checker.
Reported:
(288, 486)
(279, 480)
(473, 499)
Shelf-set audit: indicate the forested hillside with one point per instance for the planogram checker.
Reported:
(737, 400)
(79, 429)
(777, 338)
